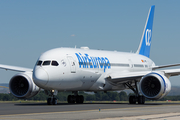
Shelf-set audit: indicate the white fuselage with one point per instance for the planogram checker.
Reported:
(84, 69)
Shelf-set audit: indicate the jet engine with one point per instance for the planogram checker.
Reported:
(155, 85)
(22, 86)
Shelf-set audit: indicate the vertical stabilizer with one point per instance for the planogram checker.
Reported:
(145, 44)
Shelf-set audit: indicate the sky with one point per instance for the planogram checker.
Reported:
(29, 28)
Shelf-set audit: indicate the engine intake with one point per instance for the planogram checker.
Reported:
(22, 86)
(155, 86)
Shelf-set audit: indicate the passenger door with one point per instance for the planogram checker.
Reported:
(72, 64)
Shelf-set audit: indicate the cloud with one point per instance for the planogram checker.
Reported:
(72, 35)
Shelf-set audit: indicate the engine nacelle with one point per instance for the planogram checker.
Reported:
(155, 85)
(22, 86)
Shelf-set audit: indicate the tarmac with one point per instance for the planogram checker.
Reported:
(89, 111)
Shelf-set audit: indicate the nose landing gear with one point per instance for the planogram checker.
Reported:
(52, 100)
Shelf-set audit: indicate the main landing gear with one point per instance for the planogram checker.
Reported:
(140, 99)
(79, 99)
(52, 100)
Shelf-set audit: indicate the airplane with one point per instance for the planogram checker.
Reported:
(84, 69)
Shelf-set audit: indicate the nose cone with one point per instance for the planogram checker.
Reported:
(40, 77)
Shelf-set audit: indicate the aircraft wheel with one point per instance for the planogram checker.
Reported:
(141, 99)
(49, 101)
(78, 99)
(81, 99)
(73, 98)
(132, 99)
(55, 101)
(69, 99)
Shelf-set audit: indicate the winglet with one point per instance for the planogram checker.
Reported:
(145, 44)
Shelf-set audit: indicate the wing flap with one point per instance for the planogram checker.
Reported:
(15, 68)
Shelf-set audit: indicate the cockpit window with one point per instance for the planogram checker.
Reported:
(46, 62)
(54, 63)
(39, 63)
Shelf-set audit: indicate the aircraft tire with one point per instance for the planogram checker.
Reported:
(81, 99)
(69, 99)
(55, 101)
(132, 100)
(49, 101)
(141, 99)
(78, 99)
(73, 99)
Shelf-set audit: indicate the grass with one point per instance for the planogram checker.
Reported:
(33, 101)
(23, 101)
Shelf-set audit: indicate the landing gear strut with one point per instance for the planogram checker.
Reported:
(79, 99)
(52, 100)
(137, 97)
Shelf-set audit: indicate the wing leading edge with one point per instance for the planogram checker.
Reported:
(15, 68)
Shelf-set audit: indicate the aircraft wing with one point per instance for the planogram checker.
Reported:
(171, 72)
(130, 76)
(168, 72)
(164, 66)
(15, 68)
(126, 76)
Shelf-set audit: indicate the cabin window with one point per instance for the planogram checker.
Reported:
(119, 65)
(138, 65)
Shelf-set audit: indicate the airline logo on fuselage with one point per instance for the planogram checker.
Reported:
(86, 61)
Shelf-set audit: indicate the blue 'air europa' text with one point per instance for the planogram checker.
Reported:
(86, 61)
